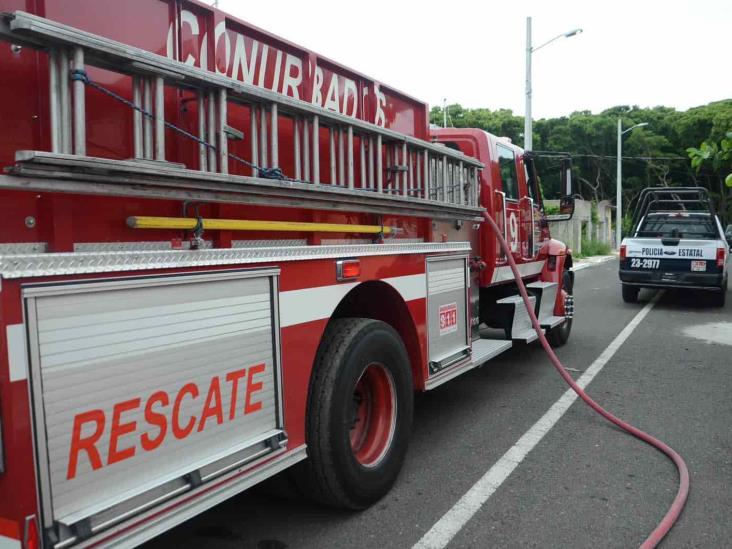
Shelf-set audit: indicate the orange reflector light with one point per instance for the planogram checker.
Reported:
(31, 539)
(348, 269)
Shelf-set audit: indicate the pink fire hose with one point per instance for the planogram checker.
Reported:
(678, 504)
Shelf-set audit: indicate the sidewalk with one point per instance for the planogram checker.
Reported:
(583, 263)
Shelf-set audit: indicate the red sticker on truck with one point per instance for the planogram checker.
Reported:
(448, 318)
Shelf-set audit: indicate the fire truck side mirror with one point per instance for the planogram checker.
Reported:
(566, 210)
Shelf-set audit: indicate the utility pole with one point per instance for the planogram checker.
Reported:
(619, 175)
(528, 142)
(527, 111)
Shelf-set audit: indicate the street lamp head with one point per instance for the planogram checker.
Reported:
(631, 128)
(572, 33)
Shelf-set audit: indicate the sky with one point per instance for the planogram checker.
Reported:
(642, 52)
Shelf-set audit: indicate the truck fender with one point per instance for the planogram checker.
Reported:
(378, 300)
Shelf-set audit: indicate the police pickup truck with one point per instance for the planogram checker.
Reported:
(676, 241)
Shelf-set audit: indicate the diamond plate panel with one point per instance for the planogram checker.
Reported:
(53, 264)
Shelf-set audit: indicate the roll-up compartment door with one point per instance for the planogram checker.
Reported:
(146, 387)
(447, 311)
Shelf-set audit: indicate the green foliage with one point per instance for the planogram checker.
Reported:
(627, 225)
(653, 155)
(502, 122)
(593, 247)
(715, 160)
(713, 155)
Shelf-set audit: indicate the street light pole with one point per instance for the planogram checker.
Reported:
(528, 141)
(619, 189)
(619, 182)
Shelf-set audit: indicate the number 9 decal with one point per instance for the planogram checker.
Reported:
(513, 231)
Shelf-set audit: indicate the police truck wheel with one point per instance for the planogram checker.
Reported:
(560, 335)
(359, 414)
(630, 293)
(721, 296)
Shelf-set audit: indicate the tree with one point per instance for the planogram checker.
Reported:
(653, 155)
(716, 159)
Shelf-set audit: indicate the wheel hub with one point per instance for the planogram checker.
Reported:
(373, 415)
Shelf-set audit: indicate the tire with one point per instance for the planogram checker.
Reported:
(630, 293)
(560, 335)
(359, 414)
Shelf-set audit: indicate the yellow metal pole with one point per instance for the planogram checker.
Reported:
(149, 222)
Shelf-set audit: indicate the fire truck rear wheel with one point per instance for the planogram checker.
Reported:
(359, 414)
(560, 335)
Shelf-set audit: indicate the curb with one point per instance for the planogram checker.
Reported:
(592, 261)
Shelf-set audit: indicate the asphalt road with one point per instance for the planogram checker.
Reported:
(585, 484)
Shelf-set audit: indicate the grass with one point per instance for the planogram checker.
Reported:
(593, 247)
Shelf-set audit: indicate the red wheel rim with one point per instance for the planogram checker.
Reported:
(374, 415)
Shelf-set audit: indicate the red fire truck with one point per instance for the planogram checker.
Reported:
(223, 256)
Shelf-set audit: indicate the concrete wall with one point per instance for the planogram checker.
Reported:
(571, 232)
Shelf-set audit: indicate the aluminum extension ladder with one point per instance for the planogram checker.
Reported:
(390, 162)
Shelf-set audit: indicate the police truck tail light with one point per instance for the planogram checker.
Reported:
(721, 252)
(623, 252)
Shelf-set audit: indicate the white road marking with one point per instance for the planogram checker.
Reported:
(713, 332)
(452, 522)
